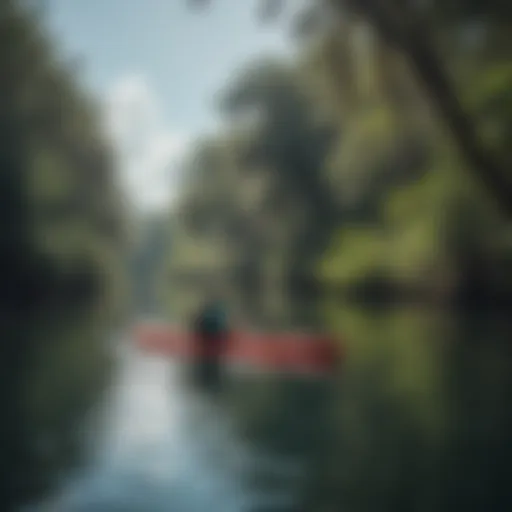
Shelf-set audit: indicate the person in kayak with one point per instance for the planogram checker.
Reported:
(211, 332)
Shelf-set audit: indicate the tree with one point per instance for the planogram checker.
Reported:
(408, 27)
(61, 236)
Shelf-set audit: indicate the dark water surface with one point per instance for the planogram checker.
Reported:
(165, 446)
(419, 418)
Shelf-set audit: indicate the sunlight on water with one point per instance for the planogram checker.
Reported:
(163, 448)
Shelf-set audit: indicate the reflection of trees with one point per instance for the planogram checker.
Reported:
(422, 412)
(287, 419)
(417, 418)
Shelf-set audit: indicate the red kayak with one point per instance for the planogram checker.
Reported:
(284, 351)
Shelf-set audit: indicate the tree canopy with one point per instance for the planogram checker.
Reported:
(62, 236)
(335, 183)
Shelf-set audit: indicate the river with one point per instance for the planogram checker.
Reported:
(164, 446)
(418, 418)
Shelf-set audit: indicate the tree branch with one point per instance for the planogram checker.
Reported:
(403, 30)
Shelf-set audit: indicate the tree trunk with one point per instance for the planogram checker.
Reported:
(493, 176)
(396, 25)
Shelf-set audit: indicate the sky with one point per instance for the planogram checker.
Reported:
(155, 66)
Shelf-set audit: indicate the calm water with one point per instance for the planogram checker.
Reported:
(163, 445)
(419, 418)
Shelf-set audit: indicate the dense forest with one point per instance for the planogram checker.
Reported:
(62, 237)
(337, 173)
(374, 167)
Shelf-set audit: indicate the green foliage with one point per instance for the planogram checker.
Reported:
(61, 281)
(367, 186)
(366, 248)
(343, 142)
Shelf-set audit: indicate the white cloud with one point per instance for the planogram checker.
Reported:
(149, 151)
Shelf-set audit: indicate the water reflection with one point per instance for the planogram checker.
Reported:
(419, 418)
(289, 417)
(424, 421)
(164, 446)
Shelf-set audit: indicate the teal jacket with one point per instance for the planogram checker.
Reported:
(213, 319)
